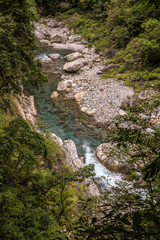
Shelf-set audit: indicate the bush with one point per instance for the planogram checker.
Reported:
(120, 36)
(150, 52)
(152, 29)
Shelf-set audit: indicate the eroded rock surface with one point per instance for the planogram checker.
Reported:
(26, 108)
(112, 158)
(71, 155)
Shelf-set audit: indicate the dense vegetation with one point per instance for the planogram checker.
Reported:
(17, 44)
(129, 29)
(36, 197)
(40, 197)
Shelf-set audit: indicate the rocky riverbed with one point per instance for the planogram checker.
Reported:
(96, 97)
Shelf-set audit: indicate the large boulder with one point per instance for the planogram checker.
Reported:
(53, 23)
(56, 39)
(112, 158)
(64, 86)
(71, 156)
(44, 42)
(74, 66)
(73, 56)
(55, 94)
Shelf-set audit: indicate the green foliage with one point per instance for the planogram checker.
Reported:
(150, 52)
(37, 191)
(17, 44)
(120, 36)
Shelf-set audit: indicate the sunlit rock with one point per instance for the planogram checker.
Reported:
(73, 56)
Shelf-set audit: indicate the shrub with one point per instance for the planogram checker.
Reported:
(150, 52)
(120, 36)
(152, 29)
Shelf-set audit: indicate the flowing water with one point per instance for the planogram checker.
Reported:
(64, 119)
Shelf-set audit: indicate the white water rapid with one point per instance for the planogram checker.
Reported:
(107, 179)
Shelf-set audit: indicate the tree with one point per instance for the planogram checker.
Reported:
(18, 47)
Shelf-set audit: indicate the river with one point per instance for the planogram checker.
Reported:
(64, 119)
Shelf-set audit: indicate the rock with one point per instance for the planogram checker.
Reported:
(92, 188)
(154, 121)
(64, 86)
(79, 96)
(73, 56)
(53, 23)
(72, 46)
(135, 79)
(44, 42)
(84, 42)
(32, 106)
(88, 111)
(54, 55)
(96, 59)
(146, 94)
(113, 160)
(150, 130)
(74, 38)
(21, 111)
(71, 156)
(56, 139)
(39, 34)
(122, 113)
(102, 53)
(109, 67)
(144, 116)
(44, 58)
(75, 65)
(139, 184)
(111, 53)
(55, 94)
(26, 108)
(56, 39)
